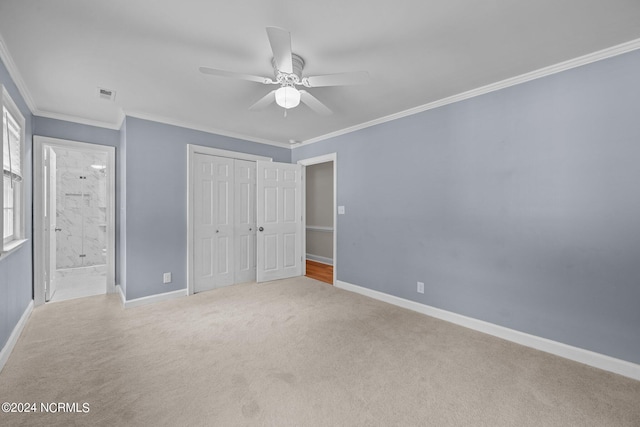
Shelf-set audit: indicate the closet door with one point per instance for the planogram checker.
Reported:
(245, 221)
(213, 222)
(279, 212)
(224, 224)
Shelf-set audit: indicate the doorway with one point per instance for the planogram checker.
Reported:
(320, 237)
(74, 219)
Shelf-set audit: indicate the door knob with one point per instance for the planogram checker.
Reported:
(260, 229)
(57, 229)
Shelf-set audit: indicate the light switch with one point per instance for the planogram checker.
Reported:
(340, 210)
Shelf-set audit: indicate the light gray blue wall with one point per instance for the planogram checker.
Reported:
(520, 207)
(15, 269)
(156, 200)
(54, 128)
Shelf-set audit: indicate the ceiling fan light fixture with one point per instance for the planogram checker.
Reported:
(288, 97)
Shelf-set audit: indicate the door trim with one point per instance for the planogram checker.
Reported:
(192, 150)
(38, 214)
(331, 157)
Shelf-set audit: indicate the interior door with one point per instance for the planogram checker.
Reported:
(279, 212)
(245, 221)
(213, 222)
(50, 221)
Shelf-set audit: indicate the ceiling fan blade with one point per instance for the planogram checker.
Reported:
(230, 74)
(341, 79)
(314, 104)
(280, 41)
(264, 102)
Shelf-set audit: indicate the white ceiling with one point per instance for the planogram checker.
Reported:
(416, 51)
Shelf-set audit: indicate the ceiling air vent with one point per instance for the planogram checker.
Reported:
(107, 94)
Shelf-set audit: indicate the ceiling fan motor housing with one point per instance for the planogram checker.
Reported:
(289, 79)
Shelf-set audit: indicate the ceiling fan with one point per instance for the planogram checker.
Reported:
(287, 69)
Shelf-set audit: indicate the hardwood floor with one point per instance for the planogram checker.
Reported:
(319, 271)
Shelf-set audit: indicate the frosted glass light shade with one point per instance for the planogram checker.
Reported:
(287, 97)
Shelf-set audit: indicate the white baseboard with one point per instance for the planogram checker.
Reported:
(120, 292)
(597, 360)
(13, 338)
(324, 260)
(152, 298)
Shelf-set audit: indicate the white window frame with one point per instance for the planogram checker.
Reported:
(18, 237)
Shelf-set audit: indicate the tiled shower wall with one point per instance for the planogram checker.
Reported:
(81, 209)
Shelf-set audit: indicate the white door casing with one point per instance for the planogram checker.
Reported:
(49, 202)
(245, 221)
(279, 220)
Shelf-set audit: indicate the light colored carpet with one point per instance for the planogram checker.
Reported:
(294, 352)
(85, 283)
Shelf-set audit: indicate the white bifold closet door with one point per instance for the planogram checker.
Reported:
(245, 221)
(224, 222)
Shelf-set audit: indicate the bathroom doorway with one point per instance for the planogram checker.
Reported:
(74, 234)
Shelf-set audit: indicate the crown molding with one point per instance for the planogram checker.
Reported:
(81, 120)
(512, 81)
(207, 129)
(523, 78)
(158, 119)
(16, 76)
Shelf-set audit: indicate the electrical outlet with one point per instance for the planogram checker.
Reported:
(166, 278)
(420, 288)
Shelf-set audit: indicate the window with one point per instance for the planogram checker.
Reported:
(12, 212)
